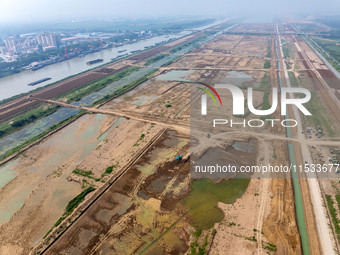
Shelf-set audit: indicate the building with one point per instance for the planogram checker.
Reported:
(47, 39)
(10, 43)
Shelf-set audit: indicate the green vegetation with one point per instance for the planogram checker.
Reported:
(194, 43)
(266, 64)
(334, 215)
(75, 95)
(26, 118)
(269, 246)
(82, 172)
(269, 52)
(117, 93)
(330, 47)
(77, 200)
(73, 204)
(109, 169)
(308, 27)
(264, 82)
(155, 59)
(168, 105)
(87, 174)
(33, 139)
(79, 93)
(286, 51)
(123, 89)
(141, 137)
(319, 115)
(293, 80)
(202, 200)
(195, 248)
(337, 197)
(266, 105)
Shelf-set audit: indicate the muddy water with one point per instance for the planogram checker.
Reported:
(7, 173)
(175, 75)
(204, 197)
(17, 138)
(142, 100)
(115, 125)
(72, 143)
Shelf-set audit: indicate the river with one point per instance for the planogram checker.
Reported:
(17, 83)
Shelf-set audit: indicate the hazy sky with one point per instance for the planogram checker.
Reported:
(36, 10)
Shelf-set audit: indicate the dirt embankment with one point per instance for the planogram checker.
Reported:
(280, 226)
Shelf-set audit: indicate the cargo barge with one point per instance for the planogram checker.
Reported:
(38, 81)
(94, 61)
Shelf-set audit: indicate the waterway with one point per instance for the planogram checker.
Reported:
(18, 137)
(300, 215)
(17, 83)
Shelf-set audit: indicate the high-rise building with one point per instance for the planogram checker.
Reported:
(12, 44)
(46, 39)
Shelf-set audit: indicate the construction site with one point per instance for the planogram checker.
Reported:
(118, 178)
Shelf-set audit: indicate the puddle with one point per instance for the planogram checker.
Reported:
(204, 197)
(115, 125)
(7, 173)
(142, 100)
(10, 206)
(175, 75)
(70, 142)
(141, 194)
(237, 78)
(248, 147)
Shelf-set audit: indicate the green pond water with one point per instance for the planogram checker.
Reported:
(202, 200)
(7, 173)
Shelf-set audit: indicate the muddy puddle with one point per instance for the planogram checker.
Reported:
(7, 173)
(175, 75)
(239, 153)
(73, 144)
(112, 127)
(150, 209)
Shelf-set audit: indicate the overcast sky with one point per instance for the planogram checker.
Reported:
(36, 10)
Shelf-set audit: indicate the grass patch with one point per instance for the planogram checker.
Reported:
(124, 89)
(109, 169)
(187, 44)
(87, 174)
(269, 52)
(71, 96)
(286, 52)
(79, 93)
(334, 216)
(155, 59)
(73, 204)
(26, 118)
(337, 197)
(319, 115)
(195, 247)
(33, 139)
(328, 50)
(266, 65)
(293, 80)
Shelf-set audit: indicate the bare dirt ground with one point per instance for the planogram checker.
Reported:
(134, 214)
(235, 232)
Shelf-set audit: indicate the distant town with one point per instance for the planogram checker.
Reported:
(36, 50)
